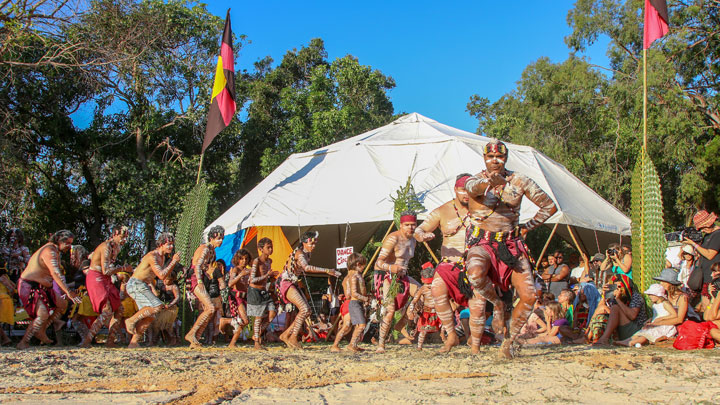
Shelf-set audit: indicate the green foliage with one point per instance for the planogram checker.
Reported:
(405, 200)
(587, 117)
(648, 238)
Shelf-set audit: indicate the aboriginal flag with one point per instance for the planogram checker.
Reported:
(656, 21)
(222, 103)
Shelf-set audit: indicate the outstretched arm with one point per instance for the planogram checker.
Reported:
(51, 257)
(540, 198)
(477, 185)
(307, 268)
(424, 232)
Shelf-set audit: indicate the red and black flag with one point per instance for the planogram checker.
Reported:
(222, 103)
(656, 21)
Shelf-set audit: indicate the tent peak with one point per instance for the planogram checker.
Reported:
(412, 118)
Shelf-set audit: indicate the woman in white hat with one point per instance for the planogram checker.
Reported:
(687, 264)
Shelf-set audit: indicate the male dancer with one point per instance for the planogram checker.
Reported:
(202, 259)
(298, 264)
(238, 281)
(259, 301)
(41, 283)
(496, 255)
(104, 296)
(397, 250)
(138, 287)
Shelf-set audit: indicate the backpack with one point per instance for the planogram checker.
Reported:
(694, 335)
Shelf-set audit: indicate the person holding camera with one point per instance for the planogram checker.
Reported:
(707, 250)
(618, 260)
(627, 310)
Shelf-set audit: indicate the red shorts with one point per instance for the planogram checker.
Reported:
(344, 308)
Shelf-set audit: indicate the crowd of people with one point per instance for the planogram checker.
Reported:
(484, 290)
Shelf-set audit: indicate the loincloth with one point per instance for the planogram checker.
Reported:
(31, 293)
(451, 273)
(101, 290)
(504, 252)
(428, 322)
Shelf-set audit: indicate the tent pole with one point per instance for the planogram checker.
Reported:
(542, 253)
(577, 245)
(378, 248)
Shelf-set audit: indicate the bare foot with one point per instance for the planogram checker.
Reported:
(380, 349)
(133, 345)
(259, 346)
(44, 339)
(130, 326)
(601, 342)
(405, 341)
(292, 342)
(419, 349)
(86, 342)
(450, 342)
(505, 349)
(354, 349)
(190, 337)
(22, 345)
(335, 349)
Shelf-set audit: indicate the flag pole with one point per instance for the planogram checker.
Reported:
(202, 155)
(644, 98)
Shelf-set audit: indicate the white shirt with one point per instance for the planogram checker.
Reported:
(577, 272)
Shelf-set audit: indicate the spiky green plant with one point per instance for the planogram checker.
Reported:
(648, 239)
(405, 200)
(189, 235)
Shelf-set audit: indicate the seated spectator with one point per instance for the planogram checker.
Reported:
(7, 306)
(618, 260)
(597, 324)
(554, 319)
(658, 329)
(15, 254)
(577, 266)
(627, 311)
(566, 300)
(668, 279)
(712, 312)
(557, 274)
(588, 297)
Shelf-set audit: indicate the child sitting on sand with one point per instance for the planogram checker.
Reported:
(554, 319)
(651, 332)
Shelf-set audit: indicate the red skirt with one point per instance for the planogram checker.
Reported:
(101, 290)
(449, 273)
(429, 322)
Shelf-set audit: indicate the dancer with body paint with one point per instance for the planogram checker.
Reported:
(138, 287)
(238, 280)
(104, 296)
(39, 285)
(428, 321)
(395, 254)
(496, 254)
(354, 288)
(201, 267)
(259, 301)
(299, 264)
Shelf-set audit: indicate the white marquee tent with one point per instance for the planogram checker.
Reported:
(351, 181)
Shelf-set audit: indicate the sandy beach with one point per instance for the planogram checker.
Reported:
(577, 374)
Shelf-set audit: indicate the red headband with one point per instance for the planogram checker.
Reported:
(460, 183)
(428, 280)
(408, 218)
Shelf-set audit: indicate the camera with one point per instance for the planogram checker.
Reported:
(612, 252)
(716, 283)
(686, 232)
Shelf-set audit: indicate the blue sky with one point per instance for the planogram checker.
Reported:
(438, 54)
